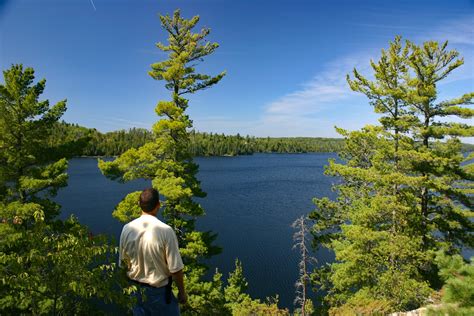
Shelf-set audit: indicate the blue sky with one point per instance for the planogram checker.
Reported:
(286, 61)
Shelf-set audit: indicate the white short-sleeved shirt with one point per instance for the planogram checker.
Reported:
(149, 248)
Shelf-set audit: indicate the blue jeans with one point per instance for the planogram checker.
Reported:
(154, 303)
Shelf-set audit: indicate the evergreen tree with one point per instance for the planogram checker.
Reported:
(458, 291)
(167, 161)
(25, 124)
(238, 302)
(381, 228)
(372, 258)
(444, 204)
(47, 266)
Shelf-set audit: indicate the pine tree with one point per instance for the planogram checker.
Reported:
(47, 266)
(25, 124)
(371, 258)
(384, 227)
(238, 302)
(458, 291)
(167, 160)
(444, 204)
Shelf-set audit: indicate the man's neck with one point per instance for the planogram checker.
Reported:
(151, 214)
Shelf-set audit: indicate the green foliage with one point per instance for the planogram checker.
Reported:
(57, 269)
(212, 298)
(362, 305)
(81, 141)
(258, 308)
(238, 302)
(458, 276)
(203, 144)
(309, 309)
(237, 286)
(404, 193)
(128, 208)
(74, 140)
(70, 140)
(47, 266)
(167, 161)
(372, 258)
(205, 298)
(458, 290)
(25, 123)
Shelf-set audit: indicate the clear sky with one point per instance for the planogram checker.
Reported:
(286, 61)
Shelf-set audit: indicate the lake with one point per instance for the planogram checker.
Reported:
(251, 203)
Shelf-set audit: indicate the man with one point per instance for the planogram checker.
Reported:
(149, 249)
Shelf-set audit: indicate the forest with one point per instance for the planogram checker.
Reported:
(90, 142)
(398, 226)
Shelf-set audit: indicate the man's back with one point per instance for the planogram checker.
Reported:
(150, 250)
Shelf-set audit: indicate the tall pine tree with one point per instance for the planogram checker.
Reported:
(399, 200)
(167, 160)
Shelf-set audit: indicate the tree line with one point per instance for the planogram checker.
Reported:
(82, 141)
(91, 142)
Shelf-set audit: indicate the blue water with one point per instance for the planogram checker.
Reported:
(251, 203)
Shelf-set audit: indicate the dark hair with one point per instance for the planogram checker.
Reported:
(149, 199)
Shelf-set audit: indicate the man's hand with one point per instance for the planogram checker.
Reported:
(182, 297)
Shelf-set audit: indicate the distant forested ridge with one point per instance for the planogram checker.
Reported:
(83, 141)
(205, 144)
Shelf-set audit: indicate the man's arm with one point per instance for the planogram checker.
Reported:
(179, 279)
(175, 265)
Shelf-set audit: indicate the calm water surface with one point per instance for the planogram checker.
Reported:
(251, 202)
